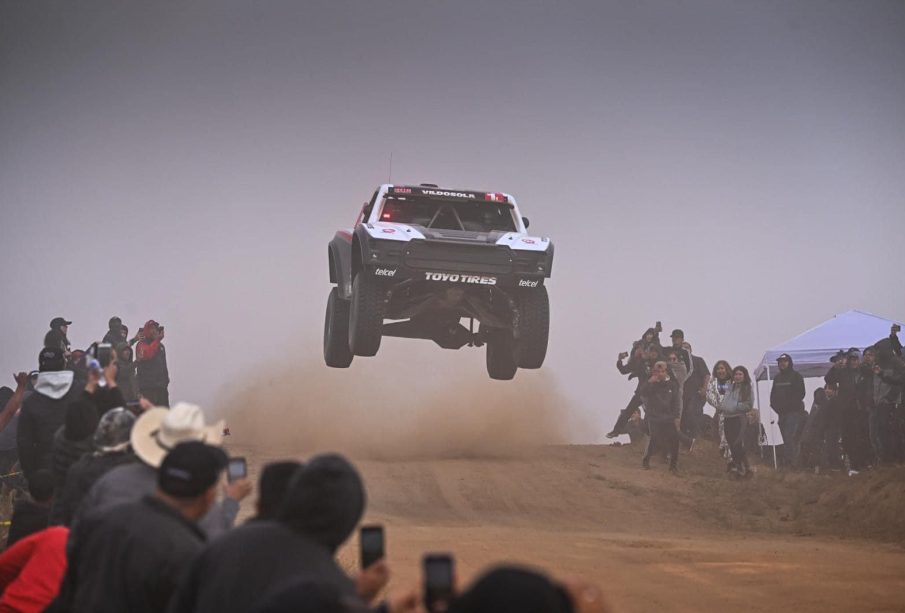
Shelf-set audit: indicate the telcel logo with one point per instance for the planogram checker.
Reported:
(527, 283)
(385, 272)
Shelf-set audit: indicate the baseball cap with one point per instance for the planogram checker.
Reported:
(784, 356)
(677, 333)
(58, 322)
(51, 358)
(190, 468)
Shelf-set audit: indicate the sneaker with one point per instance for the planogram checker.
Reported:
(852, 473)
(612, 434)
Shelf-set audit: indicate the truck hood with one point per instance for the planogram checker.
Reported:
(405, 233)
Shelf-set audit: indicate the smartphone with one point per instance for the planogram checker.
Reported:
(438, 581)
(371, 542)
(104, 354)
(237, 468)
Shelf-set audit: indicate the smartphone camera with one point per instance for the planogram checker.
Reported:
(371, 542)
(237, 468)
(438, 582)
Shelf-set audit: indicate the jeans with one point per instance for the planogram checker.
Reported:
(663, 435)
(735, 436)
(791, 425)
(879, 421)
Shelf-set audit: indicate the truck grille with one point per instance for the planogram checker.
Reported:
(457, 257)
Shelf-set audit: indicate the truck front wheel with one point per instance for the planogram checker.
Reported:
(336, 332)
(365, 315)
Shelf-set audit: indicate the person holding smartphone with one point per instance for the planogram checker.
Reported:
(151, 364)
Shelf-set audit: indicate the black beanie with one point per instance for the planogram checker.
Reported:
(81, 420)
(512, 590)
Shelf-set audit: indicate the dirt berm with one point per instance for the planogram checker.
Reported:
(466, 471)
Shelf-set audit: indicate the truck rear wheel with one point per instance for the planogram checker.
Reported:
(336, 332)
(365, 315)
(501, 363)
(533, 327)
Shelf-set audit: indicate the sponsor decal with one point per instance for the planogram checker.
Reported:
(388, 230)
(457, 278)
(434, 192)
(495, 197)
(402, 190)
(385, 272)
(527, 283)
(529, 241)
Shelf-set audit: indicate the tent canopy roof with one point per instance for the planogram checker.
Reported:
(811, 350)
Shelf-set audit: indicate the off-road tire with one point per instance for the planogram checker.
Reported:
(533, 327)
(336, 332)
(501, 362)
(366, 315)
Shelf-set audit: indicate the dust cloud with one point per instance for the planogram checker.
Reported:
(418, 412)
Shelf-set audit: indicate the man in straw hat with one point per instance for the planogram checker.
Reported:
(156, 432)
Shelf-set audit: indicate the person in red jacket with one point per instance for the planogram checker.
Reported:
(31, 571)
(151, 361)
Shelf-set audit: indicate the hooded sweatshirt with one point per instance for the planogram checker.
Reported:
(41, 416)
(787, 394)
(325, 501)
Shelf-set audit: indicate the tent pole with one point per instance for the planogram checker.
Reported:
(772, 432)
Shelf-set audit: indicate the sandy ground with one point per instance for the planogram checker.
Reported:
(652, 541)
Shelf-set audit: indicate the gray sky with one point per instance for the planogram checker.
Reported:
(736, 169)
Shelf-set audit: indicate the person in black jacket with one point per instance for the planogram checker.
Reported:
(111, 449)
(324, 503)
(787, 401)
(31, 514)
(131, 557)
(151, 363)
(661, 400)
(636, 368)
(855, 436)
(694, 395)
(44, 411)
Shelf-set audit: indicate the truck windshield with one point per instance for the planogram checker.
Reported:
(449, 214)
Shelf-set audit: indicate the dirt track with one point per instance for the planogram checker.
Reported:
(651, 540)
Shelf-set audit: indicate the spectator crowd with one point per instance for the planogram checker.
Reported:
(856, 420)
(122, 504)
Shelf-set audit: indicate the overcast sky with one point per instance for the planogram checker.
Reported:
(736, 169)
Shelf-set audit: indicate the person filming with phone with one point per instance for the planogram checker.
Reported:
(151, 362)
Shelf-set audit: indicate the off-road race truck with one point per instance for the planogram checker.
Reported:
(421, 259)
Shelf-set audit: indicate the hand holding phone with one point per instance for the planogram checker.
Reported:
(372, 544)
(237, 468)
(438, 582)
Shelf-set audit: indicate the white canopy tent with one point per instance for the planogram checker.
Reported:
(811, 350)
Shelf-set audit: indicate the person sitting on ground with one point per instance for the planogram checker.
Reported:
(151, 362)
(44, 411)
(132, 557)
(31, 571)
(156, 431)
(660, 398)
(511, 589)
(32, 514)
(272, 487)
(111, 449)
(735, 406)
(324, 503)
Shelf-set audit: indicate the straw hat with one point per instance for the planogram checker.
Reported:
(158, 430)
